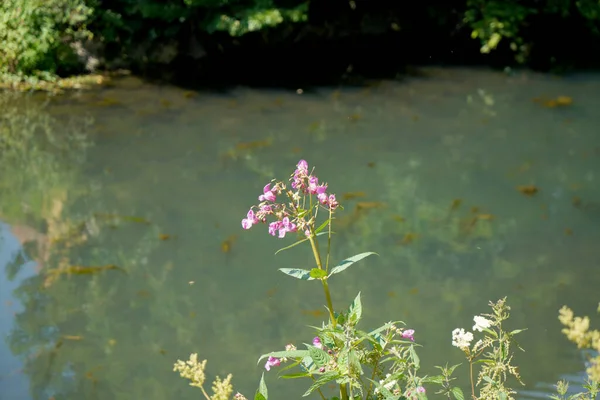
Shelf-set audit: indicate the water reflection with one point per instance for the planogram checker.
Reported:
(472, 185)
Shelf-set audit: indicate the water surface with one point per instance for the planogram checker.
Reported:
(155, 180)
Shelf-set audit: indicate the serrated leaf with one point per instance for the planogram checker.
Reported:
(414, 356)
(322, 380)
(320, 357)
(452, 368)
(355, 310)
(262, 393)
(438, 379)
(457, 393)
(284, 353)
(349, 261)
(298, 273)
(354, 363)
(317, 273)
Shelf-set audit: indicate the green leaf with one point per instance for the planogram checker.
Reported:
(262, 393)
(298, 273)
(320, 357)
(354, 363)
(414, 356)
(512, 333)
(322, 226)
(437, 379)
(291, 245)
(355, 310)
(502, 395)
(457, 393)
(295, 375)
(284, 353)
(317, 273)
(323, 379)
(452, 368)
(349, 261)
(297, 243)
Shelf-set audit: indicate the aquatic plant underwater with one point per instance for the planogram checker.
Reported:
(381, 363)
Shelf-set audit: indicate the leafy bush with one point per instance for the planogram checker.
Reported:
(36, 35)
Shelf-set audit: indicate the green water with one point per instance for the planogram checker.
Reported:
(155, 180)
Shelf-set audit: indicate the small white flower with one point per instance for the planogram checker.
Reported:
(461, 339)
(481, 323)
(388, 385)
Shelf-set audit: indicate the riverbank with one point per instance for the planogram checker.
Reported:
(207, 44)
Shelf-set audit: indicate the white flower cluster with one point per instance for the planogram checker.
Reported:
(481, 323)
(461, 338)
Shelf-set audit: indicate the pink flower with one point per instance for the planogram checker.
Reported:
(300, 174)
(250, 220)
(333, 203)
(317, 343)
(282, 227)
(285, 227)
(420, 389)
(268, 194)
(302, 165)
(409, 334)
(274, 227)
(272, 362)
(329, 201)
(314, 187)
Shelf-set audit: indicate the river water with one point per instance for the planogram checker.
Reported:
(122, 250)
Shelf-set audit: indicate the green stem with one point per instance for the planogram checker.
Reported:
(329, 302)
(315, 249)
(472, 383)
(343, 392)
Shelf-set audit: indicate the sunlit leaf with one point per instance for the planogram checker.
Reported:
(297, 273)
(349, 261)
(262, 393)
(317, 273)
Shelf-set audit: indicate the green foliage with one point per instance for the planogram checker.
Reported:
(36, 35)
(492, 21)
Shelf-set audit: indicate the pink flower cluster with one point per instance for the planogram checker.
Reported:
(286, 217)
(309, 184)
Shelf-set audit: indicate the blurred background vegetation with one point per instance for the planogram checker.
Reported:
(196, 39)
